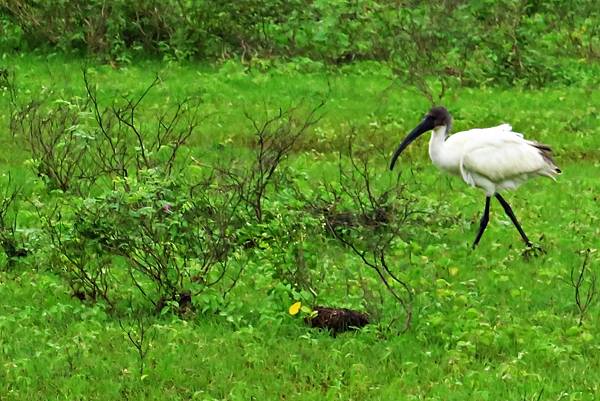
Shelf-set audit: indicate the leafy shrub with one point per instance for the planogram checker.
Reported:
(10, 241)
(274, 139)
(177, 237)
(76, 255)
(58, 139)
(169, 240)
(76, 142)
(503, 42)
(367, 219)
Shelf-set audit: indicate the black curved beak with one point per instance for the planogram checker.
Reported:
(426, 125)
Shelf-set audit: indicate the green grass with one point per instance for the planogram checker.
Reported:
(488, 325)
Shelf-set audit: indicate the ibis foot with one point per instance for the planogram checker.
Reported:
(532, 251)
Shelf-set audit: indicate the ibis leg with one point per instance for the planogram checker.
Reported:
(513, 218)
(484, 221)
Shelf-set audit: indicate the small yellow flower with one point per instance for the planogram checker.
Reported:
(295, 308)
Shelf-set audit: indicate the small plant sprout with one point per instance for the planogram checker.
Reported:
(140, 340)
(583, 282)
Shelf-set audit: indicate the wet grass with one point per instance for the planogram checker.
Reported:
(489, 324)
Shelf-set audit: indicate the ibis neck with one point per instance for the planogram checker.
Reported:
(436, 145)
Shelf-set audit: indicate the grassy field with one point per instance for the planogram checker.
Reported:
(488, 324)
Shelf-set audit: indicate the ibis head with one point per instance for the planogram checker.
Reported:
(437, 117)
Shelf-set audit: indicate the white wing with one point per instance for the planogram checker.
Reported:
(498, 154)
(498, 130)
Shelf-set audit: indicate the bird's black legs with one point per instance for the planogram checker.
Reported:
(484, 221)
(513, 218)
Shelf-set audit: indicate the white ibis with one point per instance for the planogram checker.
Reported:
(492, 159)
